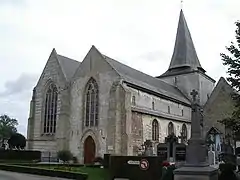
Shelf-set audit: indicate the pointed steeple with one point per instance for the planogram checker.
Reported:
(184, 54)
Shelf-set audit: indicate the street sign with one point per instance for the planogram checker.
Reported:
(144, 164)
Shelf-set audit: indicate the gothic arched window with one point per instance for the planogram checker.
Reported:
(91, 103)
(155, 130)
(184, 132)
(170, 128)
(50, 110)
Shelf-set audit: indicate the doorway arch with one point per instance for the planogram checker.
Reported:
(89, 150)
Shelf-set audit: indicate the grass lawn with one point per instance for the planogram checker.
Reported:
(93, 173)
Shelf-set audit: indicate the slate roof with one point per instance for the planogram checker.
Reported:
(184, 58)
(69, 66)
(141, 79)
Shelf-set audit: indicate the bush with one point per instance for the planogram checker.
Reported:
(75, 160)
(169, 173)
(65, 155)
(17, 141)
(227, 171)
(98, 160)
(20, 155)
(227, 167)
(44, 172)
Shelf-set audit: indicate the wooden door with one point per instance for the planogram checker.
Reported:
(89, 150)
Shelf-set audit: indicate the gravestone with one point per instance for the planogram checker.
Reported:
(180, 152)
(227, 154)
(148, 148)
(180, 149)
(171, 141)
(211, 157)
(162, 151)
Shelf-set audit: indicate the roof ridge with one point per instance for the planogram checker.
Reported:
(67, 65)
(155, 81)
(68, 58)
(104, 56)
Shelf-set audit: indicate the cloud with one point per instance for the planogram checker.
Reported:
(22, 84)
(12, 2)
(154, 56)
(15, 98)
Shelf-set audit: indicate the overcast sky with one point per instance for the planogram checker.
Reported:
(139, 33)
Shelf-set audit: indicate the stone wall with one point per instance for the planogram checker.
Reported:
(93, 66)
(145, 101)
(51, 74)
(137, 132)
(220, 106)
(189, 81)
(76, 141)
(143, 113)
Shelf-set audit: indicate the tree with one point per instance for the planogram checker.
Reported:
(65, 155)
(17, 141)
(7, 127)
(232, 60)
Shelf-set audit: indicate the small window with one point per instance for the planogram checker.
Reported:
(182, 112)
(155, 130)
(133, 100)
(169, 111)
(153, 105)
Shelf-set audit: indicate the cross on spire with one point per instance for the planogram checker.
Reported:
(194, 94)
(181, 4)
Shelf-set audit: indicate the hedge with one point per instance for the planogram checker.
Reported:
(20, 155)
(44, 172)
(56, 165)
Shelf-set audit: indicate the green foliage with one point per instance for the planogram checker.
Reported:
(94, 172)
(44, 171)
(99, 160)
(168, 175)
(15, 155)
(75, 160)
(232, 60)
(227, 171)
(7, 127)
(65, 155)
(17, 141)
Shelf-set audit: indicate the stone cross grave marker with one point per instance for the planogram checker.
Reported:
(194, 94)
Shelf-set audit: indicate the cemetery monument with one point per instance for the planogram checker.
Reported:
(196, 166)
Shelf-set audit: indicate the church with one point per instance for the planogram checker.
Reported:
(100, 105)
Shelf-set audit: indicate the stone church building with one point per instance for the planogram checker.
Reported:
(100, 105)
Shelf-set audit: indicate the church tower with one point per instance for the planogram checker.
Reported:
(185, 71)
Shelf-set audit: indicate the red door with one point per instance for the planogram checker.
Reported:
(89, 150)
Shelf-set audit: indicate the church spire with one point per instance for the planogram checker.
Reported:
(184, 54)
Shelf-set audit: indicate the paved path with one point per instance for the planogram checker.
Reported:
(7, 175)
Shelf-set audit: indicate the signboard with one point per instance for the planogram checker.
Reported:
(135, 167)
(180, 153)
(144, 164)
(162, 152)
(133, 162)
